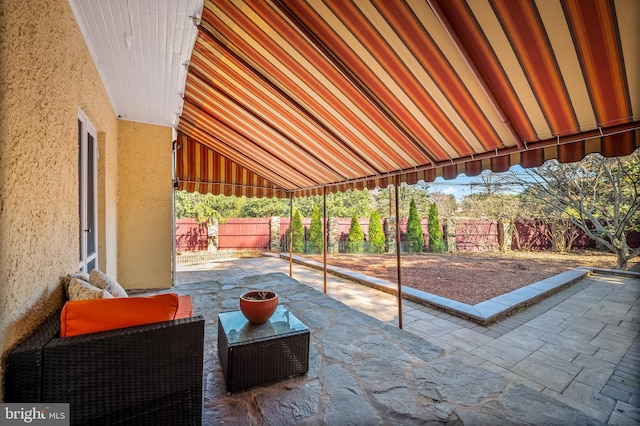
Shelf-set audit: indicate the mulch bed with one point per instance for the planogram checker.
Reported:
(471, 277)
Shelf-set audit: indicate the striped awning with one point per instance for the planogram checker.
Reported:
(201, 169)
(291, 96)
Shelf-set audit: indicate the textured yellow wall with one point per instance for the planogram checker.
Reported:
(144, 206)
(47, 74)
(107, 205)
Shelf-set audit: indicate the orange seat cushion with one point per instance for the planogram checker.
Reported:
(94, 315)
(185, 310)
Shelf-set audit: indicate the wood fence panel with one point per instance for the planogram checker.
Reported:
(244, 233)
(190, 236)
(424, 223)
(477, 235)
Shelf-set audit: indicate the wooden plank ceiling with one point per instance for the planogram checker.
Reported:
(291, 96)
(139, 48)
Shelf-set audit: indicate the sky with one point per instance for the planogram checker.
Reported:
(461, 186)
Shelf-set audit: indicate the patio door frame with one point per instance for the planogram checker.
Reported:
(87, 194)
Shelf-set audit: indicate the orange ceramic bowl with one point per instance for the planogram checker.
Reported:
(258, 306)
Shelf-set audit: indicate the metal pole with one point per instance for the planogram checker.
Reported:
(396, 184)
(392, 203)
(291, 235)
(325, 235)
(174, 159)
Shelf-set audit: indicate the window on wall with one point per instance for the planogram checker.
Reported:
(87, 195)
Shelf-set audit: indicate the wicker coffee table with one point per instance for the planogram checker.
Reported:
(252, 354)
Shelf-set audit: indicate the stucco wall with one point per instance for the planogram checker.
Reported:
(47, 74)
(107, 204)
(144, 206)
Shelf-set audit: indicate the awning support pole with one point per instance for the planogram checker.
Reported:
(325, 235)
(396, 183)
(291, 235)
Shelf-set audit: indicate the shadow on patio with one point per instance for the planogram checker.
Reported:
(364, 370)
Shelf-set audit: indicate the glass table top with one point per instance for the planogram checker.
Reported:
(239, 330)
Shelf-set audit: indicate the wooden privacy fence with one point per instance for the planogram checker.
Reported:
(191, 236)
(270, 234)
(263, 233)
(477, 235)
(245, 233)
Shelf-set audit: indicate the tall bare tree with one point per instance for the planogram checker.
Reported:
(601, 196)
(446, 204)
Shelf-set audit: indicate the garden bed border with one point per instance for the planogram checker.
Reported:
(483, 313)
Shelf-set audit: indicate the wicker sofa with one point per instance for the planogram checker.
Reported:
(147, 374)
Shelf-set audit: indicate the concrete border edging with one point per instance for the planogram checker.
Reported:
(483, 313)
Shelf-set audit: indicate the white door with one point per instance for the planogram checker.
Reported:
(87, 194)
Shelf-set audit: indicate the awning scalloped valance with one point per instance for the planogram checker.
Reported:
(201, 169)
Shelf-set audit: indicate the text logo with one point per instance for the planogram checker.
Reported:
(34, 414)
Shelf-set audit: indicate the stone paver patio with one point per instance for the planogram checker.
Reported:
(571, 359)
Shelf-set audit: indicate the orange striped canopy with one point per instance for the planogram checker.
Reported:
(287, 97)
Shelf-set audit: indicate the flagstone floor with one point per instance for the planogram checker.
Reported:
(573, 358)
